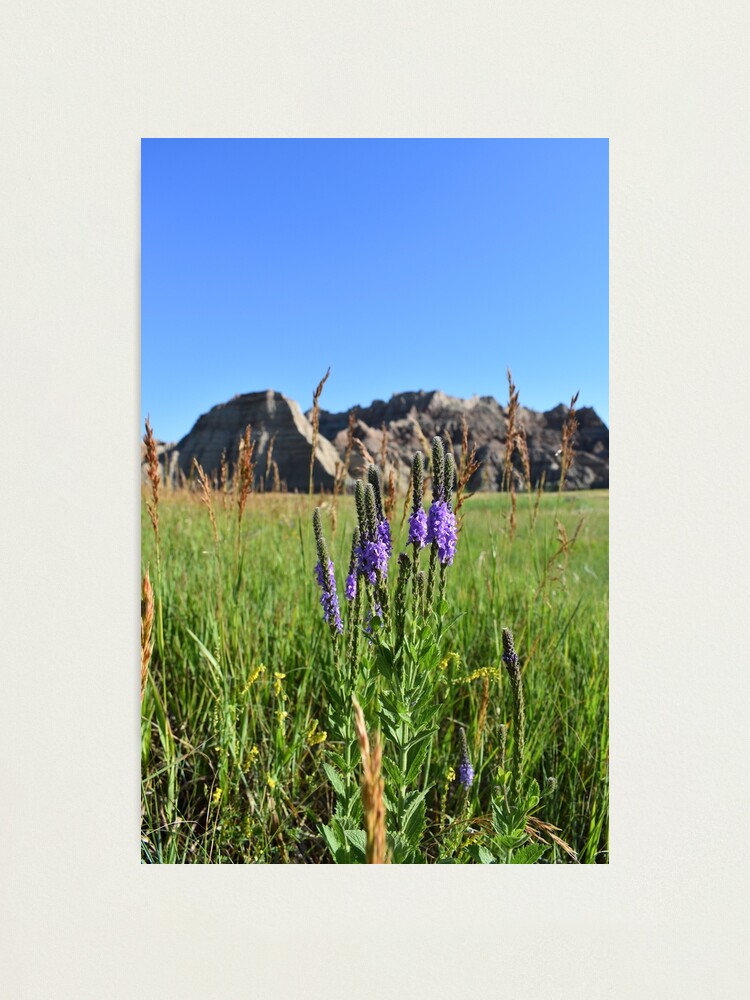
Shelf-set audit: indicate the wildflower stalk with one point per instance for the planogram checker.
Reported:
(510, 659)
(327, 581)
(438, 463)
(394, 678)
(404, 569)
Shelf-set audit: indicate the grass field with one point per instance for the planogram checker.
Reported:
(235, 719)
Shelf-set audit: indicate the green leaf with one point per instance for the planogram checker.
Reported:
(413, 820)
(511, 840)
(528, 855)
(331, 840)
(480, 854)
(485, 857)
(358, 841)
(335, 778)
(394, 772)
(337, 759)
(415, 761)
(532, 795)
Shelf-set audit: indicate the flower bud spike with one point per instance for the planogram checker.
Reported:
(449, 472)
(438, 463)
(417, 479)
(359, 504)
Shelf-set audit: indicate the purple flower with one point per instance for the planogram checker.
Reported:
(350, 589)
(465, 772)
(418, 529)
(329, 598)
(384, 535)
(373, 556)
(441, 529)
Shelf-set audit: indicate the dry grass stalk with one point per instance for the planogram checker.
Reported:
(408, 497)
(206, 496)
(338, 478)
(384, 448)
(536, 828)
(565, 547)
(570, 426)
(390, 497)
(426, 446)
(371, 791)
(538, 498)
(365, 453)
(349, 441)
(269, 455)
(246, 471)
(147, 624)
(482, 714)
(511, 434)
(224, 478)
(523, 450)
(446, 434)
(315, 423)
(468, 465)
(154, 475)
(276, 479)
(334, 518)
(511, 444)
(342, 468)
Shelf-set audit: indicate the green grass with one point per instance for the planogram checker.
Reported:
(227, 778)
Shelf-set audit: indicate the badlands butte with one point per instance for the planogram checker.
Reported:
(283, 437)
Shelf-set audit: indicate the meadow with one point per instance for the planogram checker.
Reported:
(244, 757)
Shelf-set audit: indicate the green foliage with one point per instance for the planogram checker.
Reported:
(233, 768)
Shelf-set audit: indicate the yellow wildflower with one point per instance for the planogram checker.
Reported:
(313, 736)
(271, 782)
(481, 672)
(447, 659)
(216, 797)
(253, 678)
(277, 683)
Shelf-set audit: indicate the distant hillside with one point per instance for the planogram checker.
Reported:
(283, 437)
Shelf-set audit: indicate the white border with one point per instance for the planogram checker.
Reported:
(82, 83)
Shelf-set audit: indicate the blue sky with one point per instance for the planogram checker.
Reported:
(402, 264)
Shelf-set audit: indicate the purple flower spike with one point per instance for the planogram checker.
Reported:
(465, 770)
(441, 529)
(465, 773)
(384, 535)
(329, 598)
(350, 589)
(373, 556)
(418, 529)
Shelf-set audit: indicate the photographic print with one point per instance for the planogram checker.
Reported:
(375, 484)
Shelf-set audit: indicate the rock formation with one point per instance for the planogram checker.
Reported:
(409, 421)
(412, 419)
(272, 418)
